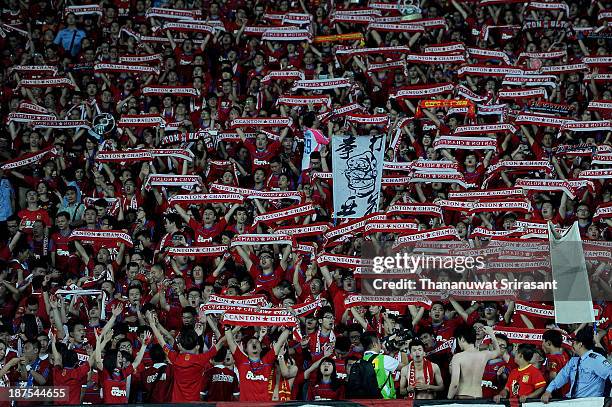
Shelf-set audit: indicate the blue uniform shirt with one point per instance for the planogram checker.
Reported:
(70, 37)
(594, 370)
(6, 194)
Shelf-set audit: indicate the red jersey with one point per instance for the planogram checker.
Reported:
(73, 379)
(28, 218)
(525, 381)
(261, 158)
(338, 296)
(317, 342)
(92, 393)
(126, 203)
(114, 386)
(65, 261)
(157, 382)
(476, 176)
(254, 376)
(220, 384)
(187, 372)
(554, 364)
(325, 391)
(491, 385)
(446, 329)
(42, 367)
(266, 282)
(341, 369)
(204, 234)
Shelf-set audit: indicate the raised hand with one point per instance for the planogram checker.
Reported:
(53, 301)
(117, 309)
(199, 328)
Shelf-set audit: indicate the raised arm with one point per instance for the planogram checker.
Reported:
(286, 371)
(492, 354)
(460, 310)
(153, 324)
(141, 351)
(245, 257)
(231, 211)
(231, 341)
(296, 277)
(101, 342)
(326, 275)
(116, 310)
(285, 259)
(57, 319)
(313, 367)
(57, 361)
(282, 339)
(359, 318)
(81, 252)
(182, 213)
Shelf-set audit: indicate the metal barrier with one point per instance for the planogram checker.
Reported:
(595, 402)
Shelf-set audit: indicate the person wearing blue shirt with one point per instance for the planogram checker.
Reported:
(7, 197)
(586, 372)
(70, 38)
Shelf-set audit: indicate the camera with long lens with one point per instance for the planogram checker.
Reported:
(399, 340)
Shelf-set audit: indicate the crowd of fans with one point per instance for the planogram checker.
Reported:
(138, 184)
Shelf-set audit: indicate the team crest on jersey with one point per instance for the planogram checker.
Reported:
(526, 379)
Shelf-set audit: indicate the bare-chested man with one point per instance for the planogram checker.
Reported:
(421, 379)
(468, 365)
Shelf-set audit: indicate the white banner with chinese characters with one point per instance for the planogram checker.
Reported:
(357, 163)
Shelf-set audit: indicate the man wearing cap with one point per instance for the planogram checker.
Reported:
(586, 372)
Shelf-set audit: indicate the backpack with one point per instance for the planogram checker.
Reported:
(362, 381)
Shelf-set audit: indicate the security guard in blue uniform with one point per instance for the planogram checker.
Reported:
(587, 372)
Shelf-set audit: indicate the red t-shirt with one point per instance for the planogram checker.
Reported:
(554, 363)
(157, 382)
(266, 282)
(525, 381)
(254, 376)
(316, 344)
(204, 234)
(338, 295)
(73, 379)
(114, 386)
(491, 385)
(220, 383)
(187, 372)
(324, 391)
(28, 218)
(476, 176)
(65, 261)
(446, 329)
(261, 159)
